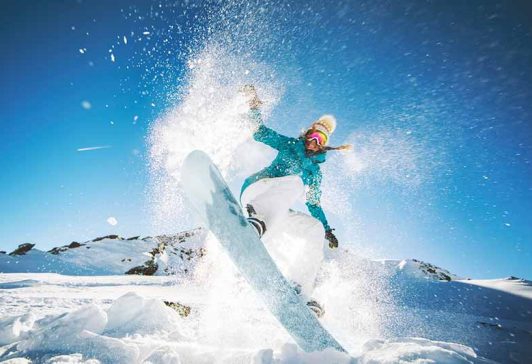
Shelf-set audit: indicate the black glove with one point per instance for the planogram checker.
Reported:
(333, 242)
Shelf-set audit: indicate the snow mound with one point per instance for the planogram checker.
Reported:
(417, 350)
(17, 361)
(11, 328)
(20, 284)
(401, 350)
(405, 350)
(75, 332)
(71, 359)
(131, 314)
(90, 332)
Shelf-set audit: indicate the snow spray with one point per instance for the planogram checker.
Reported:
(207, 112)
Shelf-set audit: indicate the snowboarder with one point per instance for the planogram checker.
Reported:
(268, 195)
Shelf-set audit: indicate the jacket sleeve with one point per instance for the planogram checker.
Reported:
(313, 199)
(267, 135)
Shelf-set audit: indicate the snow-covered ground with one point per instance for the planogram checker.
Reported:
(197, 309)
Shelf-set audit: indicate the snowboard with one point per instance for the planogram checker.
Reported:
(212, 199)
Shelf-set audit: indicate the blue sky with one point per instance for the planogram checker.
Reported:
(457, 74)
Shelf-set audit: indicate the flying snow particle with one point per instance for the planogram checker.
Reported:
(112, 221)
(135, 118)
(507, 224)
(125, 39)
(146, 33)
(86, 105)
(82, 50)
(93, 148)
(112, 57)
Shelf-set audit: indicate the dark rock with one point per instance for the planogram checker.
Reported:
(148, 269)
(2, 252)
(488, 324)
(22, 249)
(108, 237)
(182, 310)
(134, 237)
(56, 250)
(434, 271)
(64, 248)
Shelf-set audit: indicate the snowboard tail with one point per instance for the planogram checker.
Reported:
(221, 212)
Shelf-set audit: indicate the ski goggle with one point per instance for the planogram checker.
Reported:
(319, 136)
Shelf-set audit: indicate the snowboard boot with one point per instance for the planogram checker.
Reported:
(316, 308)
(253, 219)
(312, 304)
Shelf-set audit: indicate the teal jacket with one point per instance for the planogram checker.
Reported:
(292, 159)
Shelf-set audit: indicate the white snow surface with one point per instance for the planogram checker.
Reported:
(100, 323)
(381, 311)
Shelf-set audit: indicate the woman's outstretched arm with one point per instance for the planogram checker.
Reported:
(263, 133)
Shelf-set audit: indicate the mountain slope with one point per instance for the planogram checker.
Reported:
(110, 255)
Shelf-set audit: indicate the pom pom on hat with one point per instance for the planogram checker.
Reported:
(325, 124)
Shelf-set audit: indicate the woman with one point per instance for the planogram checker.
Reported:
(269, 194)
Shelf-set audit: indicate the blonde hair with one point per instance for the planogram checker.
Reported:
(343, 147)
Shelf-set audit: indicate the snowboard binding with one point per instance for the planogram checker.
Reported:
(314, 305)
(257, 223)
(316, 308)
